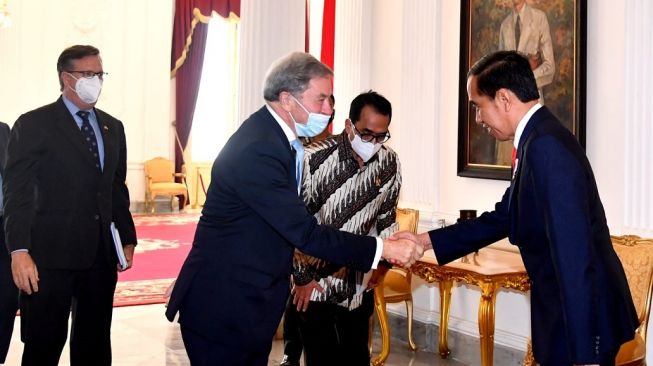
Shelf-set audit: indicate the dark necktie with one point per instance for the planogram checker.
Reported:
(517, 32)
(90, 138)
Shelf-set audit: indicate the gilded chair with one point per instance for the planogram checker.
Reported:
(636, 255)
(395, 286)
(160, 181)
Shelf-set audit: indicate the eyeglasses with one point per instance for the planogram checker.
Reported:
(90, 74)
(379, 138)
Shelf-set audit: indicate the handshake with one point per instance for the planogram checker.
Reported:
(405, 248)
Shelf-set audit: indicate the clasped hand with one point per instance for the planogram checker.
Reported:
(402, 250)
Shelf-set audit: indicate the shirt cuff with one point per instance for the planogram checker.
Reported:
(379, 251)
(27, 251)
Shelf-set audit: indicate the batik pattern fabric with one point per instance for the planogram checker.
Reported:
(342, 195)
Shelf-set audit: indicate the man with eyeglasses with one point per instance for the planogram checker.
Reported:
(351, 182)
(64, 185)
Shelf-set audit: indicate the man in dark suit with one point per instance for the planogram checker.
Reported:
(64, 185)
(582, 310)
(232, 288)
(8, 290)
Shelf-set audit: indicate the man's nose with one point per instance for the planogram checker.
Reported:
(326, 107)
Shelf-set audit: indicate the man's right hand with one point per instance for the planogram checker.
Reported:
(403, 252)
(23, 269)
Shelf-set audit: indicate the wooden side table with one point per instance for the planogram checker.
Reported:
(490, 269)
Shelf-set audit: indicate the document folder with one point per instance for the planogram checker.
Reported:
(118, 244)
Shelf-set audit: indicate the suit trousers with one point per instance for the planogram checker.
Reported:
(44, 315)
(8, 297)
(205, 352)
(334, 335)
(292, 340)
(607, 359)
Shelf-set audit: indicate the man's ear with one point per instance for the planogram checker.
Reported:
(285, 100)
(505, 98)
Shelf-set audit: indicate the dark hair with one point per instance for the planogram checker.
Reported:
(292, 74)
(505, 69)
(373, 99)
(65, 61)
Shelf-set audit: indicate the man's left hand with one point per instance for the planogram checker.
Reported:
(129, 255)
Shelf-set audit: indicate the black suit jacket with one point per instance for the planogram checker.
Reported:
(235, 281)
(58, 205)
(580, 301)
(4, 140)
(8, 290)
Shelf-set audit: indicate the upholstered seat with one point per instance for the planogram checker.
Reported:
(160, 181)
(396, 286)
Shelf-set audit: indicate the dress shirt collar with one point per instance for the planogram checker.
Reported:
(73, 109)
(522, 123)
(290, 135)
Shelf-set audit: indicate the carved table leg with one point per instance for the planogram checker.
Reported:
(486, 309)
(379, 304)
(445, 302)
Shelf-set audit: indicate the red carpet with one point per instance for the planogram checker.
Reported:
(163, 244)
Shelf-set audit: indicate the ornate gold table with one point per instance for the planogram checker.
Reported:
(490, 269)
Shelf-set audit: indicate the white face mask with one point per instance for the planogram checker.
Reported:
(88, 90)
(364, 149)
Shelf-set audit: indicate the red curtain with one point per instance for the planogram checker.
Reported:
(328, 36)
(187, 57)
(328, 32)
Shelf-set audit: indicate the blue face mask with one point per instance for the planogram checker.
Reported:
(315, 124)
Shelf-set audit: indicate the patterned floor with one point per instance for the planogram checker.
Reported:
(141, 336)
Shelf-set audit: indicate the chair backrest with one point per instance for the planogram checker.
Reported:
(636, 255)
(160, 170)
(407, 218)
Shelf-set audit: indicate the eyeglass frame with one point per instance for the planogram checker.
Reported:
(87, 74)
(374, 137)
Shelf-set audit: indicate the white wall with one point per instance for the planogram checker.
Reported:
(134, 38)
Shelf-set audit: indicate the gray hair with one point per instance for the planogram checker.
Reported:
(291, 74)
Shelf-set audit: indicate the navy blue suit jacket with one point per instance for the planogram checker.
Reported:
(581, 305)
(233, 286)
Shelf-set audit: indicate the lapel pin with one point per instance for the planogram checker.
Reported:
(106, 128)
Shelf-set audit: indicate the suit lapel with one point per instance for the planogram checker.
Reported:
(273, 126)
(109, 141)
(526, 134)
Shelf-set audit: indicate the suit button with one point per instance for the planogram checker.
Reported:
(96, 217)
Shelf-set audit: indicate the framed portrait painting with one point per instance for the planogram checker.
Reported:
(551, 34)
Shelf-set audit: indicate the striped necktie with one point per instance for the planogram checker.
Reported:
(517, 32)
(298, 149)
